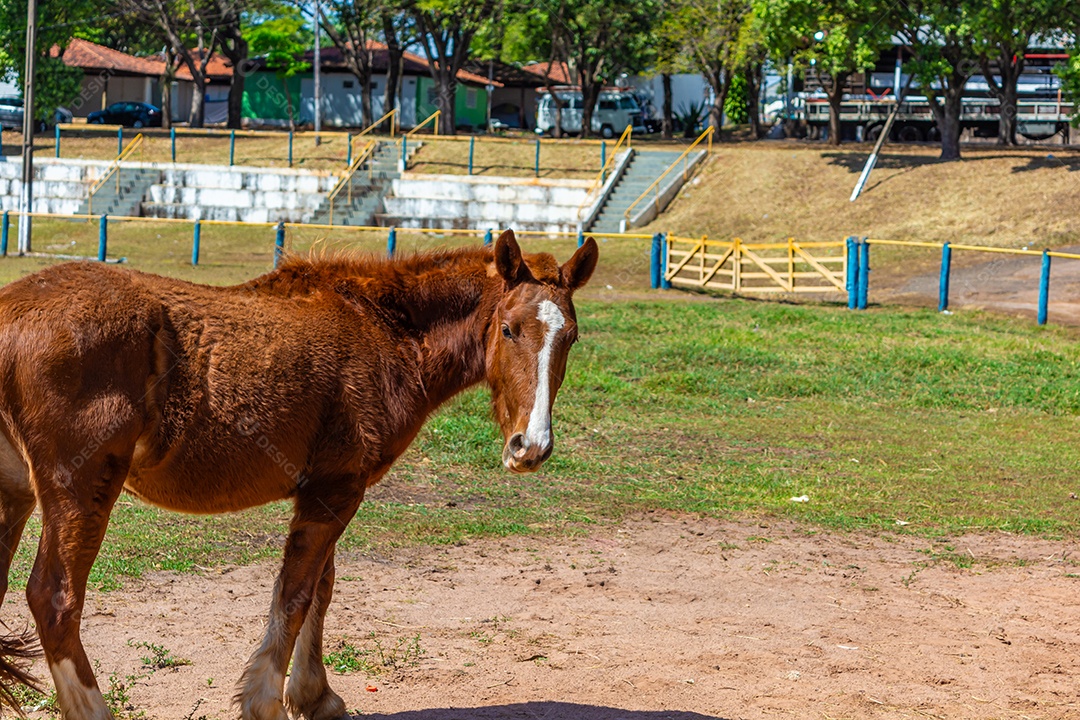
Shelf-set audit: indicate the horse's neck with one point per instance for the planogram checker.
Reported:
(452, 312)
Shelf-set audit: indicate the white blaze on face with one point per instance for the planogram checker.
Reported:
(539, 430)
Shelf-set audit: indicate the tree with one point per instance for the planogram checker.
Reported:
(183, 24)
(600, 39)
(941, 36)
(712, 32)
(281, 41)
(55, 83)
(833, 39)
(446, 29)
(234, 46)
(352, 26)
(1004, 29)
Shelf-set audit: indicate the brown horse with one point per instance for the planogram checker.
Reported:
(305, 383)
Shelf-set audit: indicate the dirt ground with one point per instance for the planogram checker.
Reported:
(659, 617)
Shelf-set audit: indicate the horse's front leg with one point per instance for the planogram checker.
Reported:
(316, 525)
(308, 693)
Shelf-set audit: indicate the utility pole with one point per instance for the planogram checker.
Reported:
(318, 83)
(26, 204)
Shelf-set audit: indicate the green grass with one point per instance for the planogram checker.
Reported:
(892, 420)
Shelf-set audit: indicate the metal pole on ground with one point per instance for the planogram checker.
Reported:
(5, 228)
(943, 283)
(536, 165)
(290, 147)
(26, 204)
(391, 242)
(232, 147)
(864, 274)
(1044, 287)
(348, 150)
(279, 243)
(172, 142)
(472, 146)
(119, 139)
(654, 261)
(852, 271)
(196, 240)
(665, 284)
(57, 144)
(103, 238)
(488, 237)
(580, 238)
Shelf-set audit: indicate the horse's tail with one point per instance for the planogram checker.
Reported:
(17, 652)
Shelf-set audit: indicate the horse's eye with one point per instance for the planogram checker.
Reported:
(506, 332)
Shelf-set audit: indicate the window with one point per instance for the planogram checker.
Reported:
(627, 103)
(470, 98)
(348, 84)
(608, 105)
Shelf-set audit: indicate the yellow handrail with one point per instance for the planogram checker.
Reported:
(656, 183)
(432, 116)
(346, 179)
(393, 117)
(114, 166)
(602, 175)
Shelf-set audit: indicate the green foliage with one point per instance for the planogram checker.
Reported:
(736, 101)
(1069, 72)
(282, 41)
(160, 657)
(374, 658)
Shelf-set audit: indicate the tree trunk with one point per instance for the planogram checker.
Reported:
(166, 91)
(836, 94)
(753, 99)
(720, 80)
(236, 99)
(198, 95)
(288, 102)
(1005, 91)
(447, 102)
(590, 94)
(667, 124)
(367, 110)
(393, 70)
(947, 116)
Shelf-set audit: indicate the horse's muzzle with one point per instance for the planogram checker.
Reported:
(521, 457)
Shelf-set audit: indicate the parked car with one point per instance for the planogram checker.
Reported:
(613, 112)
(128, 114)
(11, 114)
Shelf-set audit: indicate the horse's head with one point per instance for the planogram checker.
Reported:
(529, 339)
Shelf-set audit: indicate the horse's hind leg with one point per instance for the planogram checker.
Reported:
(16, 505)
(308, 692)
(75, 507)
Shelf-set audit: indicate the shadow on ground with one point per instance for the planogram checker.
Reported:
(539, 711)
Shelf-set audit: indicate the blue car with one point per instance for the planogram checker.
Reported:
(128, 114)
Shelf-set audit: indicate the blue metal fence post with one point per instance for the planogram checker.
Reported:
(348, 152)
(172, 142)
(1044, 287)
(290, 147)
(232, 147)
(654, 261)
(603, 158)
(5, 228)
(472, 146)
(488, 237)
(279, 243)
(852, 272)
(57, 139)
(864, 274)
(391, 242)
(580, 238)
(119, 140)
(943, 283)
(404, 153)
(195, 243)
(103, 238)
(536, 165)
(665, 284)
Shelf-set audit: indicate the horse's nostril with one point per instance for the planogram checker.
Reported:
(516, 444)
(547, 453)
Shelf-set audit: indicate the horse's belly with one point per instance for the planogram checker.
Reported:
(220, 488)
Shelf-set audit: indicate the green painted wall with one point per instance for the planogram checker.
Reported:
(265, 97)
(466, 95)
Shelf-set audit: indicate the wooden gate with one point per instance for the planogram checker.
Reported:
(788, 267)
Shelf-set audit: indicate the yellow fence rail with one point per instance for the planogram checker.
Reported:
(346, 180)
(655, 186)
(392, 115)
(738, 266)
(114, 169)
(432, 118)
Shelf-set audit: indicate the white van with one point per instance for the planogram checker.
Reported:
(613, 112)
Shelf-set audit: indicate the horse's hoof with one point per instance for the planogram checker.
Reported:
(328, 706)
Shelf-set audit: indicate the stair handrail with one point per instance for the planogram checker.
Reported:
(346, 179)
(393, 124)
(626, 136)
(433, 116)
(114, 167)
(708, 134)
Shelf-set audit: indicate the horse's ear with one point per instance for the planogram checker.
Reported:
(579, 268)
(508, 260)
